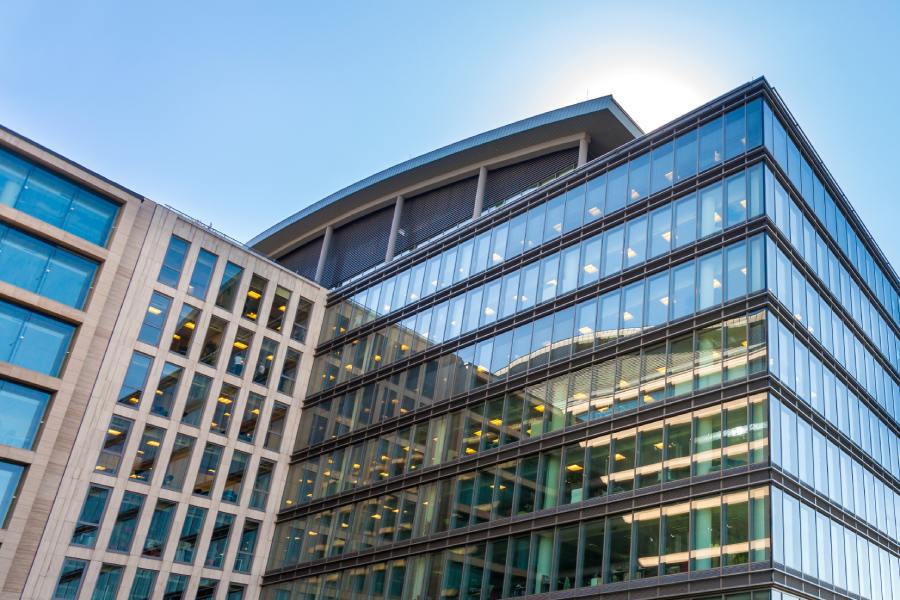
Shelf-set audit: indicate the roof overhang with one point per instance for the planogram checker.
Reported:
(607, 124)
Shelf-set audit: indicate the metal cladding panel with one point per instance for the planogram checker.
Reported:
(357, 246)
(509, 181)
(304, 259)
(428, 214)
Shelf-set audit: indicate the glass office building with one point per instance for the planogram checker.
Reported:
(597, 361)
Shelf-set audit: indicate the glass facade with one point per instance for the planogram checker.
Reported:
(681, 361)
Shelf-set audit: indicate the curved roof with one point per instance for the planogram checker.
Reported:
(602, 118)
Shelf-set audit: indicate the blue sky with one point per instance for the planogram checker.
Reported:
(242, 113)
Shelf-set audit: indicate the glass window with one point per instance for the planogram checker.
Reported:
(234, 482)
(207, 469)
(23, 413)
(143, 584)
(712, 142)
(709, 288)
(686, 156)
(685, 221)
(618, 561)
(250, 418)
(113, 445)
(238, 358)
(33, 341)
(228, 289)
(660, 231)
(264, 361)
(212, 343)
(288, 379)
(639, 177)
(254, 297)
(184, 330)
(195, 403)
(617, 186)
(595, 200)
(711, 210)
(189, 538)
(43, 268)
(276, 427)
(663, 159)
(735, 133)
(636, 242)
(612, 251)
(147, 453)
(126, 522)
(89, 519)
(706, 519)
(280, 302)
(683, 291)
(243, 561)
(260, 496)
(218, 541)
(674, 536)
(158, 532)
(173, 262)
(169, 380)
(224, 409)
(70, 579)
(574, 208)
(176, 587)
(135, 379)
(203, 270)
(179, 460)
(155, 319)
(301, 320)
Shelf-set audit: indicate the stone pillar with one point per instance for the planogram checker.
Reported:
(323, 253)
(395, 227)
(479, 192)
(583, 149)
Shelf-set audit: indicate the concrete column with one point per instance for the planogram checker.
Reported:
(323, 253)
(583, 149)
(395, 227)
(479, 192)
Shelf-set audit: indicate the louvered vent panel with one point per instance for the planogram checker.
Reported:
(509, 181)
(428, 214)
(304, 259)
(357, 246)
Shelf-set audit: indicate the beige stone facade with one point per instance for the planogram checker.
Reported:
(61, 467)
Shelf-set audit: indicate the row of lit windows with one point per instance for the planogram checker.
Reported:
(806, 454)
(704, 533)
(793, 290)
(150, 447)
(820, 202)
(46, 269)
(695, 285)
(716, 207)
(814, 382)
(674, 294)
(709, 357)
(110, 577)
(820, 548)
(689, 445)
(42, 195)
(199, 284)
(692, 152)
(813, 250)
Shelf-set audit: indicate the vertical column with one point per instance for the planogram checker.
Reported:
(583, 149)
(323, 253)
(395, 227)
(479, 192)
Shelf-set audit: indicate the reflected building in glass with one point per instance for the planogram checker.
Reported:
(569, 358)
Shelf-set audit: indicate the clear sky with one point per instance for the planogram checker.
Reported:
(241, 113)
